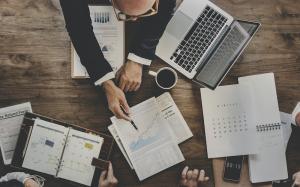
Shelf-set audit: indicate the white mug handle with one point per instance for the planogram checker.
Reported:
(152, 73)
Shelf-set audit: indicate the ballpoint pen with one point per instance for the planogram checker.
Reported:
(131, 121)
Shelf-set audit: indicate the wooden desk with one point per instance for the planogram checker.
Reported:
(35, 66)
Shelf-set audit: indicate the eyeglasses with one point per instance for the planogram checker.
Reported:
(124, 17)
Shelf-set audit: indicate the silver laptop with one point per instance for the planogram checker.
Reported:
(203, 42)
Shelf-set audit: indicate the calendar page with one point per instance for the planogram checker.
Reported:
(45, 147)
(229, 121)
(79, 152)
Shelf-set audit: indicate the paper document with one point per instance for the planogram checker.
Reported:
(153, 147)
(286, 121)
(109, 33)
(114, 133)
(172, 114)
(11, 119)
(229, 121)
(295, 112)
(270, 162)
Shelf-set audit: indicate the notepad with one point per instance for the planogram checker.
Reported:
(270, 162)
(229, 121)
(62, 152)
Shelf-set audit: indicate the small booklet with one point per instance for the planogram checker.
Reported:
(62, 152)
(154, 146)
(10, 123)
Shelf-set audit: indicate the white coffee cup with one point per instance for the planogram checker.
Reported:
(165, 78)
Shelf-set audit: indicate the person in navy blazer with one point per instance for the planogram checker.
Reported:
(150, 18)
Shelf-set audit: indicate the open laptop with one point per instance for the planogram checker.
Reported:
(203, 42)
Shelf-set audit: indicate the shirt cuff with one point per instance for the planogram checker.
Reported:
(106, 77)
(138, 59)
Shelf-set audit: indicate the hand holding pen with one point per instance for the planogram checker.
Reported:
(131, 121)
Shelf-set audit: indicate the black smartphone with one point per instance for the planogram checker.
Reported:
(232, 168)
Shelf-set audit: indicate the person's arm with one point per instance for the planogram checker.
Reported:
(80, 29)
(142, 51)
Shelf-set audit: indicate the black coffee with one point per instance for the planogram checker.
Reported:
(166, 78)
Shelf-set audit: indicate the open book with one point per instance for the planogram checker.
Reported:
(154, 146)
(62, 152)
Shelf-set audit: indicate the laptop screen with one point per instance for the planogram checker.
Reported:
(227, 53)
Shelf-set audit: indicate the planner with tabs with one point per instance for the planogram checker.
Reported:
(10, 123)
(270, 162)
(153, 147)
(229, 121)
(62, 152)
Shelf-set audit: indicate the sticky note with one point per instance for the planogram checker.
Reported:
(49, 143)
(88, 146)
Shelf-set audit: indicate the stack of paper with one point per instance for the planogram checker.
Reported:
(11, 119)
(154, 146)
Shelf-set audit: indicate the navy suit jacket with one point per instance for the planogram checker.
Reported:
(79, 27)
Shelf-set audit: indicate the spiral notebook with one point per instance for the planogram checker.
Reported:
(270, 162)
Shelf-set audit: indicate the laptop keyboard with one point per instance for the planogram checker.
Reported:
(198, 39)
(223, 57)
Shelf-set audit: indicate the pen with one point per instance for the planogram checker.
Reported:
(131, 121)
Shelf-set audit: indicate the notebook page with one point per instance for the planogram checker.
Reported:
(229, 121)
(152, 148)
(45, 147)
(270, 163)
(79, 152)
(11, 119)
(172, 114)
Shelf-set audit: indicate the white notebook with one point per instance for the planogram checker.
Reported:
(229, 121)
(270, 163)
(62, 152)
(153, 147)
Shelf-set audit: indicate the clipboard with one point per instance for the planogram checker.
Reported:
(101, 163)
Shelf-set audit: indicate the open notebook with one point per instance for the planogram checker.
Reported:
(62, 152)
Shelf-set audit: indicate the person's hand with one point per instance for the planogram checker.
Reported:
(30, 183)
(130, 76)
(116, 99)
(296, 178)
(192, 178)
(107, 178)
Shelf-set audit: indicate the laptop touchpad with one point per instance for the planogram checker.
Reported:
(179, 25)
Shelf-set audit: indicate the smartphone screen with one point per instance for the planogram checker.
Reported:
(232, 168)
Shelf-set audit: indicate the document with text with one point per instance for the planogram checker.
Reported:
(11, 119)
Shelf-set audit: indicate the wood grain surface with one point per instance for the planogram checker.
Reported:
(35, 66)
